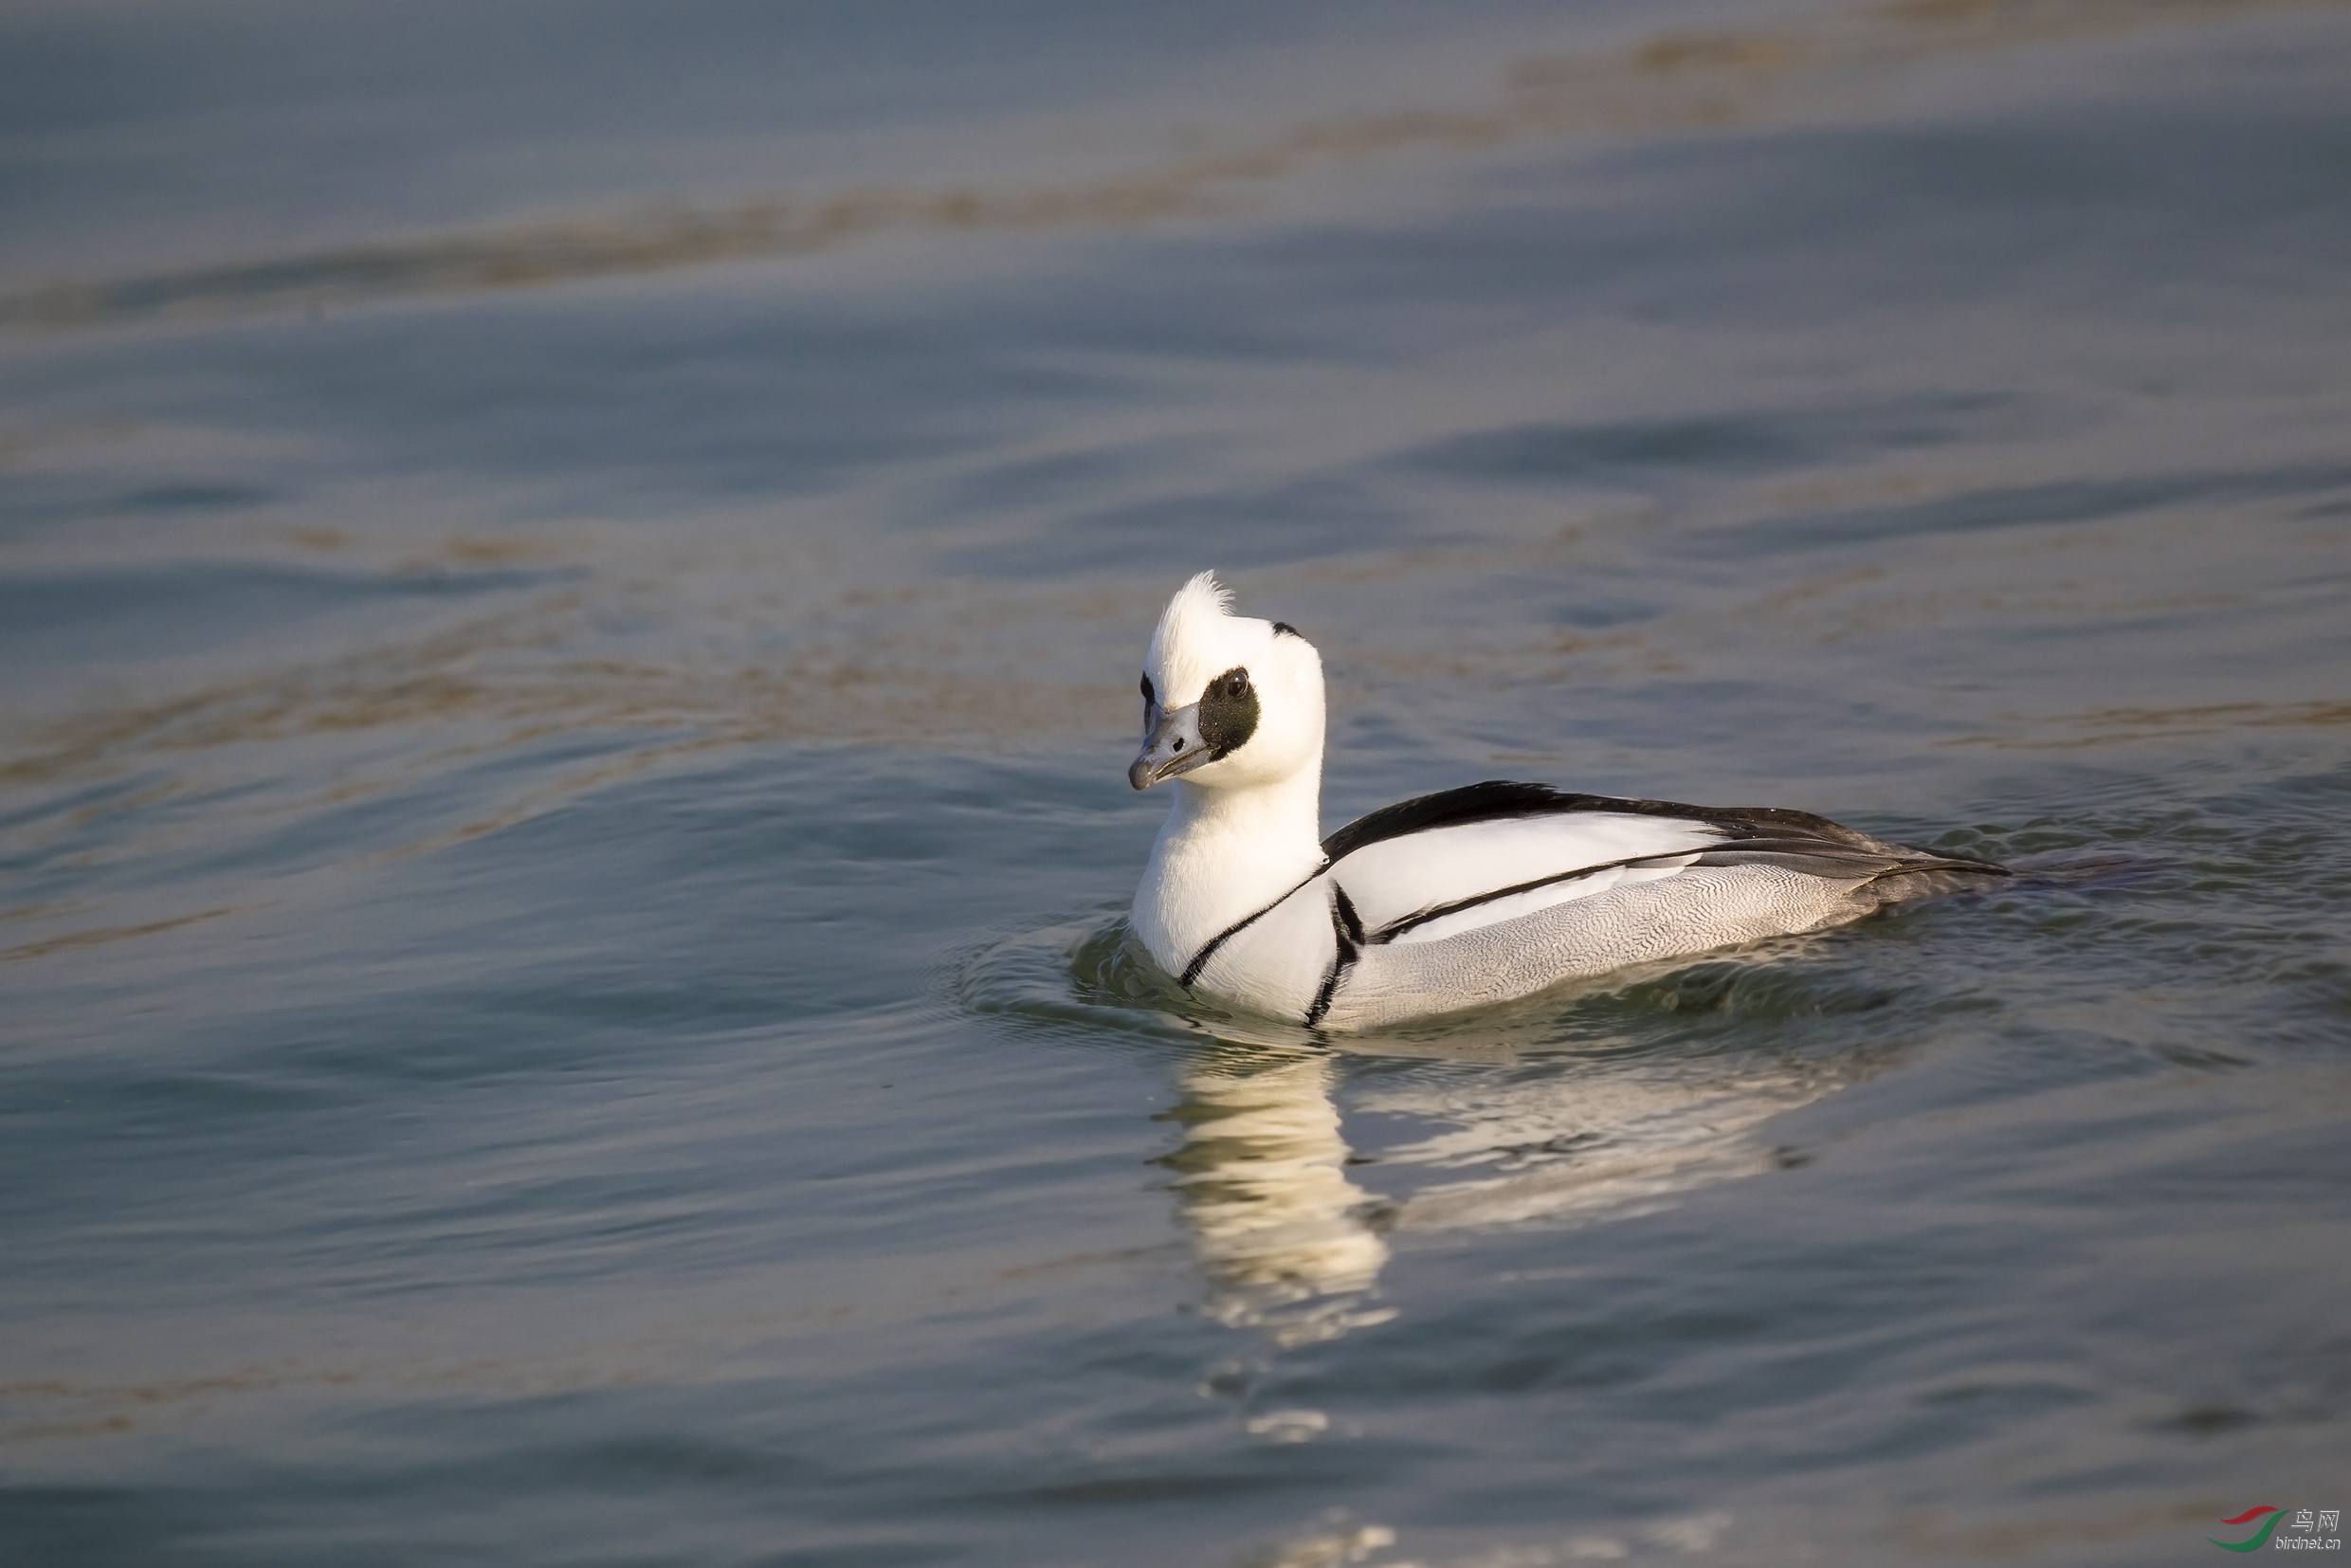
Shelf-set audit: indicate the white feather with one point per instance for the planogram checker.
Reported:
(1197, 639)
(1397, 878)
(1494, 911)
(1237, 901)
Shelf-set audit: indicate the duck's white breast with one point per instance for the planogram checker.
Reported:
(1278, 962)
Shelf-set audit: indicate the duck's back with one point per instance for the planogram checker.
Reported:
(1481, 894)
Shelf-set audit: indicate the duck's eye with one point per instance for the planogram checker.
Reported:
(1147, 695)
(1227, 711)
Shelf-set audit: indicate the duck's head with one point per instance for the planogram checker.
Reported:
(1229, 702)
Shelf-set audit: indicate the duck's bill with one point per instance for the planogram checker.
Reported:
(1174, 746)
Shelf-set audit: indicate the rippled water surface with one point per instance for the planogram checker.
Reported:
(570, 577)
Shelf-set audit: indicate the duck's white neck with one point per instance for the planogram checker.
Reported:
(1225, 855)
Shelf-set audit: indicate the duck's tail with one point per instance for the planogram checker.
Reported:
(1926, 874)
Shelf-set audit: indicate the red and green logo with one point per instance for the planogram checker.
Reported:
(2268, 1516)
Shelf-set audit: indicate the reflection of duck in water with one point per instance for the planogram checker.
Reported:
(1594, 1141)
(1292, 1244)
(1285, 1237)
(1452, 901)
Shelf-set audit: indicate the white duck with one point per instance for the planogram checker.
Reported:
(1449, 901)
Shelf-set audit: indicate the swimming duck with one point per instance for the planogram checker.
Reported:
(1448, 900)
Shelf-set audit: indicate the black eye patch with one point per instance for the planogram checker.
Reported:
(1149, 696)
(1227, 712)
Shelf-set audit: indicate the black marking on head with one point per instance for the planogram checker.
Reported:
(1227, 712)
(1282, 629)
(1149, 696)
(1347, 940)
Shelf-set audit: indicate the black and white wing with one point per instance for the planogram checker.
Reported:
(1443, 865)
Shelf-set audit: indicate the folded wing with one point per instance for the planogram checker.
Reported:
(1439, 865)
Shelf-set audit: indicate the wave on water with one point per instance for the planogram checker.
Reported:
(1674, 80)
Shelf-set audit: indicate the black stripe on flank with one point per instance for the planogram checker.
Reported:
(1347, 931)
(1282, 629)
(1199, 960)
(1438, 911)
(1350, 924)
(1821, 858)
(1809, 856)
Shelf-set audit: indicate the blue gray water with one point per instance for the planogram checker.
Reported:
(569, 581)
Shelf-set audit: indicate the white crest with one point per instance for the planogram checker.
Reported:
(1193, 642)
